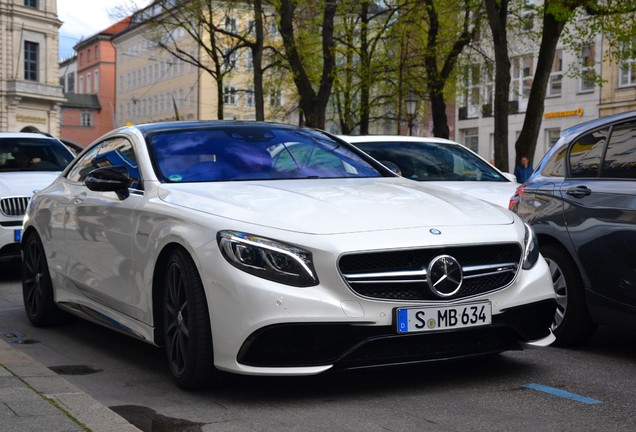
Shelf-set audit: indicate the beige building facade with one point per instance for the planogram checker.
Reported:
(618, 93)
(30, 93)
(152, 85)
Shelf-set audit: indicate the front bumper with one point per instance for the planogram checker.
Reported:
(347, 346)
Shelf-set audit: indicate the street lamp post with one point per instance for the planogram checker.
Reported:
(411, 108)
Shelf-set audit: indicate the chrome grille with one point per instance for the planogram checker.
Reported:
(15, 206)
(402, 275)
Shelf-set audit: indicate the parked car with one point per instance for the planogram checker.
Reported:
(442, 162)
(581, 201)
(28, 162)
(267, 249)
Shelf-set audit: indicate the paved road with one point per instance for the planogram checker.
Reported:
(588, 389)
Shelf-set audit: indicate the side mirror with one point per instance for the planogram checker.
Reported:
(109, 179)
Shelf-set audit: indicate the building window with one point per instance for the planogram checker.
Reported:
(96, 81)
(552, 136)
(86, 119)
(229, 95)
(522, 74)
(555, 84)
(471, 139)
(81, 85)
(229, 59)
(249, 98)
(587, 81)
(31, 54)
(249, 61)
(31, 3)
(70, 83)
(627, 72)
(473, 90)
(275, 99)
(230, 24)
(88, 83)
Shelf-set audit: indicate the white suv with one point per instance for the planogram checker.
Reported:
(28, 162)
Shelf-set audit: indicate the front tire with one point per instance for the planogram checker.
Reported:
(572, 323)
(187, 331)
(37, 289)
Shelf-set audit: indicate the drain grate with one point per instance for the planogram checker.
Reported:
(148, 420)
(74, 370)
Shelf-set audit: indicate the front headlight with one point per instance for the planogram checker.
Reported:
(267, 258)
(530, 248)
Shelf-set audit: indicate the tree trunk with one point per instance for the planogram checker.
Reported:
(365, 66)
(497, 12)
(257, 57)
(219, 98)
(440, 119)
(312, 104)
(527, 140)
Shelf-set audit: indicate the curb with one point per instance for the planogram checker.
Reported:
(69, 400)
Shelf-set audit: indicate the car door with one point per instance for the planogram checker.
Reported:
(599, 198)
(100, 231)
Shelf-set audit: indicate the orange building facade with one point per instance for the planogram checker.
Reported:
(89, 112)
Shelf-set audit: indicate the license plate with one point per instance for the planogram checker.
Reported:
(17, 235)
(413, 320)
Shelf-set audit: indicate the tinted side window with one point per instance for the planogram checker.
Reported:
(586, 154)
(82, 166)
(114, 152)
(555, 167)
(620, 159)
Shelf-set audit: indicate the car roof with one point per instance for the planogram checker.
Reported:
(25, 135)
(202, 124)
(355, 139)
(596, 123)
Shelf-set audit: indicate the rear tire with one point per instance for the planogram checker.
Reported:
(572, 323)
(187, 332)
(37, 289)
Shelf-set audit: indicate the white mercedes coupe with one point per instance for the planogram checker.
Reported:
(266, 249)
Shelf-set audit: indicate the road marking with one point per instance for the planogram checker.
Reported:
(563, 394)
(12, 309)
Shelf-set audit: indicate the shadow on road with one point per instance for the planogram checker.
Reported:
(10, 269)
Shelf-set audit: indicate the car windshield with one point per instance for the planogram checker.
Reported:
(253, 153)
(425, 161)
(33, 154)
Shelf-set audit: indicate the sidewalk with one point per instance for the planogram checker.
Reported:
(36, 399)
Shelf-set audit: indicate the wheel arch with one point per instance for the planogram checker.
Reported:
(158, 277)
(545, 239)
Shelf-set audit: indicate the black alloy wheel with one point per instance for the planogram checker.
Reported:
(187, 332)
(37, 289)
(572, 324)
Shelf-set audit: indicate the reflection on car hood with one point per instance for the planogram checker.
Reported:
(24, 183)
(498, 193)
(331, 206)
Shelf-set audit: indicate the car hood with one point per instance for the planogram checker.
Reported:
(334, 206)
(498, 193)
(24, 183)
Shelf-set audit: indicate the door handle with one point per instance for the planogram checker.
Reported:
(79, 198)
(578, 191)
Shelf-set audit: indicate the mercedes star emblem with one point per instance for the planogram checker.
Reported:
(445, 275)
